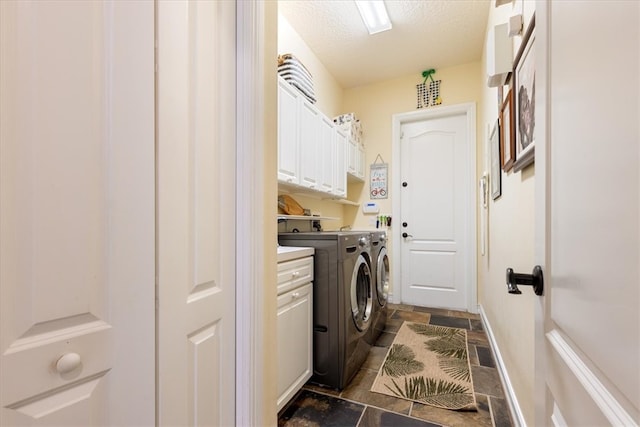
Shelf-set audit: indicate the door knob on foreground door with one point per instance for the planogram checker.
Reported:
(68, 363)
(405, 235)
(535, 279)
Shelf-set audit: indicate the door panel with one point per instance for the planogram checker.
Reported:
(196, 212)
(434, 204)
(76, 212)
(589, 330)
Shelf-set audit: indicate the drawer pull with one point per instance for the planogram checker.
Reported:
(295, 295)
(295, 273)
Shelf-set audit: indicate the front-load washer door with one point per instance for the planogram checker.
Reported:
(361, 294)
(382, 277)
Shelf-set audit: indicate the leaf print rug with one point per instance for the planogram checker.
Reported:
(428, 364)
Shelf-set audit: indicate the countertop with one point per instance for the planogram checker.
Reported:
(287, 253)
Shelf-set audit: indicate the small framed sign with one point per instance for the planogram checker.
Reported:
(378, 181)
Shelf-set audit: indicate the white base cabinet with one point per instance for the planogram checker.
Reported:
(295, 327)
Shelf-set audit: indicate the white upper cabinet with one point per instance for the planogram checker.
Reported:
(340, 172)
(355, 166)
(312, 153)
(288, 123)
(327, 155)
(352, 150)
(309, 145)
(361, 162)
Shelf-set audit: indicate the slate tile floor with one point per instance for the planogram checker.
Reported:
(357, 406)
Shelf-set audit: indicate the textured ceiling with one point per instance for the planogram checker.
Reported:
(425, 34)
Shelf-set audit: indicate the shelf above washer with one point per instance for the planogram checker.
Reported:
(343, 202)
(306, 218)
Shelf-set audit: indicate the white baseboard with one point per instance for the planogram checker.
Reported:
(512, 400)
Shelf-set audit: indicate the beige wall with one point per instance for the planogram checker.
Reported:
(510, 243)
(327, 90)
(510, 221)
(375, 104)
(329, 95)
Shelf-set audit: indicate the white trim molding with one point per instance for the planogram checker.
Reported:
(608, 405)
(250, 236)
(469, 110)
(510, 394)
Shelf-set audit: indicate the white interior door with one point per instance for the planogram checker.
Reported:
(437, 241)
(196, 212)
(588, 221)
(77, 213)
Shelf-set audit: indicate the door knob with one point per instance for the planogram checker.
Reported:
(68, 363)
(404, 184)
(405, 235)
(535, 279)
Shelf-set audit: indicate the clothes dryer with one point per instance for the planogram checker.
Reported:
(342, 302)
(380, 272)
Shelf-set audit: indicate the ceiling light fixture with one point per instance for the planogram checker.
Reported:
(374, 15)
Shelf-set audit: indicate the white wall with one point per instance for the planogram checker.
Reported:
(510, 243)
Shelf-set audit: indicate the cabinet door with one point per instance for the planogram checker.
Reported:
(309, 144)
(288, 160)
(295, 341)
(352, 165)
(361, 162)
(340, 171)
(327, 155)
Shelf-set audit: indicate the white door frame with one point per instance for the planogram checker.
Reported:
(250, 292)
(469, 110)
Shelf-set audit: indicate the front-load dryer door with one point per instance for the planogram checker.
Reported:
(382, 277)
(361, 294)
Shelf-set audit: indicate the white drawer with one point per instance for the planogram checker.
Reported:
(292, 274)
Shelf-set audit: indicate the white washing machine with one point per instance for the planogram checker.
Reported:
(343, 301)
(380, 272)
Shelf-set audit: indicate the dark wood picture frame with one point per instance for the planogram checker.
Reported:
(507, 133)
(524, 89)
(495, 181)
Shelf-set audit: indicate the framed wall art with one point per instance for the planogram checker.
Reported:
(524, 91)
(496, 170)
(507, 137)
(378, 173)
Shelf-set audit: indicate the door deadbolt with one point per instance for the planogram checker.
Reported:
(404, 184)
